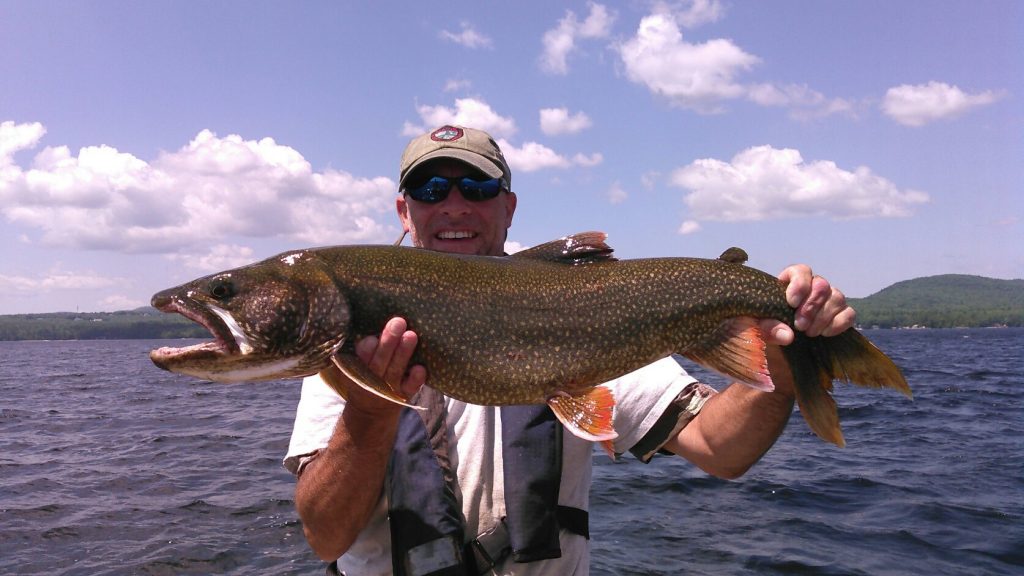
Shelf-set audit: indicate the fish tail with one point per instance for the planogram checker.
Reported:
(816, 362)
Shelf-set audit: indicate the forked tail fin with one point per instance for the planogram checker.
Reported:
(816, 362)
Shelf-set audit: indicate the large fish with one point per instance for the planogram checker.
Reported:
(546, 325)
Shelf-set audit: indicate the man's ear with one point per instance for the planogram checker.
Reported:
(510, 207)
(402, 207)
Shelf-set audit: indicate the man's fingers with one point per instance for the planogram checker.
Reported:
(807, 314)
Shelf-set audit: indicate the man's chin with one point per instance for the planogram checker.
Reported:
(457, 245)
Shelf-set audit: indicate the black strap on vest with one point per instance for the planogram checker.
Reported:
(531, 440)
(424, 513)
(425, 518)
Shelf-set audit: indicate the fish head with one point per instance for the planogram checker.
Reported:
(280, 318)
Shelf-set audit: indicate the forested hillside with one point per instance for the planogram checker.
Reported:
(945, 301)
(140, 323)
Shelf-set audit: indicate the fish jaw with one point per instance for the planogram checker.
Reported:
(281, 318)
(229, 357)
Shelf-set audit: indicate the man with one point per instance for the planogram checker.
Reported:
(455, 196)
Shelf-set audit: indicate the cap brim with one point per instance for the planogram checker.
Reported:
(472, 158)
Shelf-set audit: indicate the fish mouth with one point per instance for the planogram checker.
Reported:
(224, 341)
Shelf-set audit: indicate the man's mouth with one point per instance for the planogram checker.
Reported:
(456, 235)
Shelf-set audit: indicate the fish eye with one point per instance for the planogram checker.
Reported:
(222, 288)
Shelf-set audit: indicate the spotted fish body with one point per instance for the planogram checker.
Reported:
(545, 325)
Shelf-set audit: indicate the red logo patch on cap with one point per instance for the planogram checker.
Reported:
(446, 134)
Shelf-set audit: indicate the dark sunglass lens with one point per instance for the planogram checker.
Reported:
(432, 191)
(479, 190)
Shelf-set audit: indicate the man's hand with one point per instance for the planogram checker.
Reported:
(388, 357)
(821, 309)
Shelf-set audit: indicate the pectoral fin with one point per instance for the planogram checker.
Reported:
(588, 415)
(737, 350)
(360, 373)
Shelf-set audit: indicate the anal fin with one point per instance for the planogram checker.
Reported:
(360, 373)
(735, 349)
(588, 415)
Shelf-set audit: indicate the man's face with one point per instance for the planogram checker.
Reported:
(456, 224)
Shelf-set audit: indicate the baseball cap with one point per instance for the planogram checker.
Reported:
(468, 145)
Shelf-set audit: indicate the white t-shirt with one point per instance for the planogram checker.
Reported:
(641, 398)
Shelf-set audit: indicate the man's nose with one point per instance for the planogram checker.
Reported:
(455, 203)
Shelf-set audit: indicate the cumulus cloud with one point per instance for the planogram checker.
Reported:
(467, 112)
(56, 280)
(802, 101)
(457, 85)
(560, 41)
(616, 194)
(210, 189)
(217, 257)
(693, 13)
(766, 183)
(704, 76)
(534, 156)
(924, 103)
(695, 76)
(467, 37)
(475, 113)
(556, 121)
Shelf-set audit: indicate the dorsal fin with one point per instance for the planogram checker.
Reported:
(582, 248)
(734, 255)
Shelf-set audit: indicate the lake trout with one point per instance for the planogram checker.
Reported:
(548, 325)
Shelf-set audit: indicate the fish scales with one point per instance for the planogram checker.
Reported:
(507, 331)
(548, 324)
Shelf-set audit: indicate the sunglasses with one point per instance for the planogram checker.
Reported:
(436, 189)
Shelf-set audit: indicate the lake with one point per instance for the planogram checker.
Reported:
(109, 465)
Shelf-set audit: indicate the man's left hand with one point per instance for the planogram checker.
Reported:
(821, 309)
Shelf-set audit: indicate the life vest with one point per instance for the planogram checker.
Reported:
(427, 533)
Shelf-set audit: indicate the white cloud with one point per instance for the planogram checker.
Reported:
(556, 121)
(616, 194)
(693, 13)
(560, 41)
(457, 85)
(802, 101)
(694, 76)
(513, 247)
(218, 257)
(56, 280)
(650, 179)
(588, 161)
(467, 112)
(689, 227)
(765, 183)
(703, 76)
(467, 37)
(16, 137)
(924, 103)
(210, 189)
(121, 302)
(533, 156)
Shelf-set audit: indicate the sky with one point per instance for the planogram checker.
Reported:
(143, 144)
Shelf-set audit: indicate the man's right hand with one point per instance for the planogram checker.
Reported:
(388, 357)
(339, 489)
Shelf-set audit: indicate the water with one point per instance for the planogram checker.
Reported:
(111, 466)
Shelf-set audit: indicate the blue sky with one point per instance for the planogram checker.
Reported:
(146, 143)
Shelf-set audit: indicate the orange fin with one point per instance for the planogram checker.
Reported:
(587, 415)
(360, 373)
(735, 349)
(816, 362)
